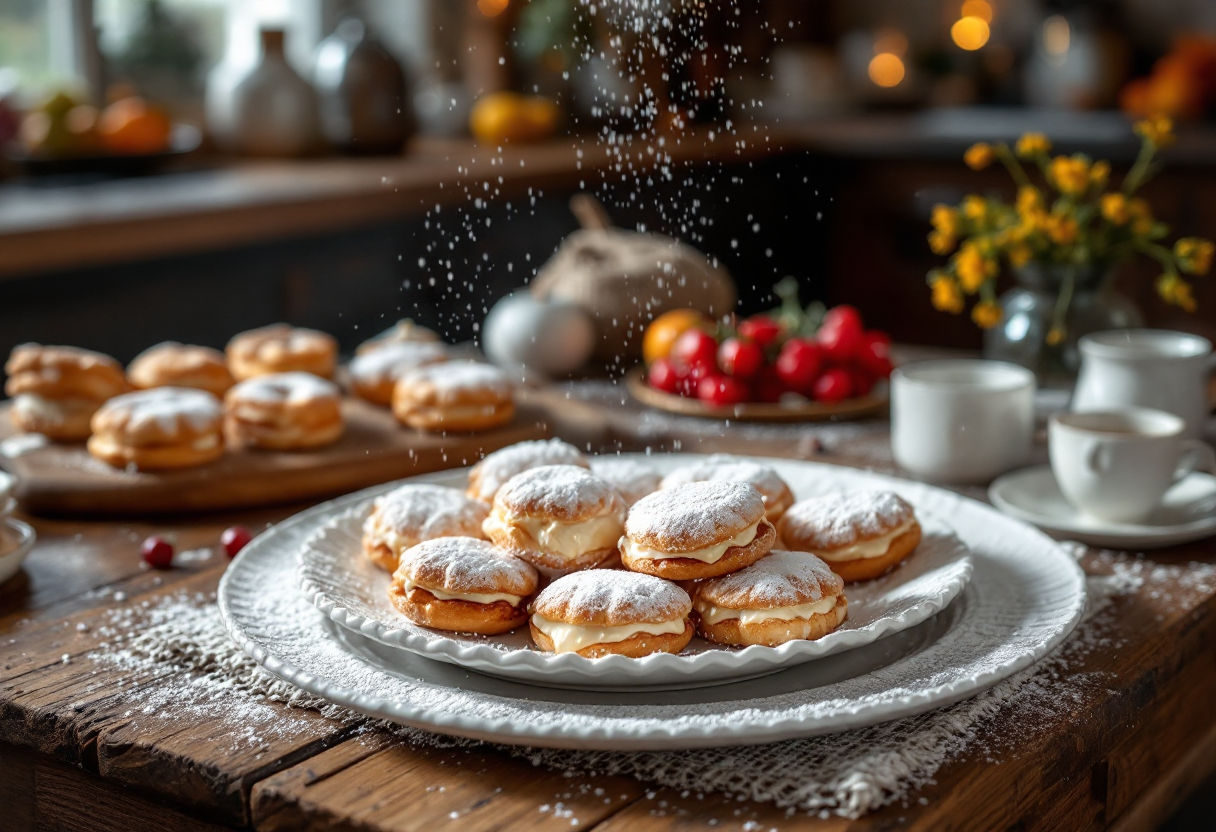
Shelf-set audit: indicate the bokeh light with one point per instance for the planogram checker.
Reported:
(1057, 35)
(492, 8)
(886, 69)
(890, 40)
(970, 33)
(977, 8)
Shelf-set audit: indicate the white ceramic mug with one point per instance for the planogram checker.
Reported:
(1152, 368)
(1117, 465)
(961, 420)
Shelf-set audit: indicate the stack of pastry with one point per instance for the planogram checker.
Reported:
(56, 390)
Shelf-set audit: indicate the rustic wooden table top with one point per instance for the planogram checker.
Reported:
(93, 744)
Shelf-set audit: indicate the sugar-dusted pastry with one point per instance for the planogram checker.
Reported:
(463, 585)
(726, 468)
(373, 374)
(56, 390)
(781, 597)
(280, 348)
(415, 512)
(860, 535)
(171, 364)
(405, 330)
(633, 479)
(698, 530)
(284, 412)
(489, 475)
(159, 429)
(602, 612)
(559, 518)
(455, 396)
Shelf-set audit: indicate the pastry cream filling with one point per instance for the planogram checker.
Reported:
(866, 548)
(34, 405)
(465, 411)
(710, 554)
(566, 540)
(712, 615)
(475, 597)
(206, 443)
(570, 638)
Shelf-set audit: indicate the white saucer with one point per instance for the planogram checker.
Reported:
(1187, 513)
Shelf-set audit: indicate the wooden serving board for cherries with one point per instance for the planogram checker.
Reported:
(66, 480)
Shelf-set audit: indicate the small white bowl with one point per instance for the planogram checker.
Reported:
(7, 483)
(10, 563)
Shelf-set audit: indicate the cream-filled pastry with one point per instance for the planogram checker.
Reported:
(489, 475)
(860, 535)
(56, 390)
(698, 530)
(284, 411)
(725, 468)
(374, 374)
(159, 429)
(633, 479)
(406, 516)
(781, 597)
(458, 396)
(280, 348)
(601, 612)
(171, 364)
(463, 585)
(559, 518)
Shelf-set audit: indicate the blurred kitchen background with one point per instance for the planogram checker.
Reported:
(187, 169)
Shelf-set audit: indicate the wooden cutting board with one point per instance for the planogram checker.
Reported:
(66, 480)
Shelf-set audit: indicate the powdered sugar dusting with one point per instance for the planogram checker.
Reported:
(420, 511)
(612, 596)
(779, 579)
(492, 473)
(293, 388)
(632, 479)
(727, 468)
(694, 515)
(837, 520)
(453, 379)
(467, 565)
(163, 407)
(391, 361)
(561, 492)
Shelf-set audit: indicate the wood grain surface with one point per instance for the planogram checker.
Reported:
(1118, 752)
(63, 479)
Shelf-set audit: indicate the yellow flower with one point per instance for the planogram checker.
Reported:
(1032, 144)
(1070, 174)
(1115, 209)
(1158, 130)
(1029, 199)
(973, 267)
(1142, 216)
(946, 220)
(940, 243)
(1055, 336)
(946, 295)
(1194, 255)
(979, 156)
(986, 314)
(975, 208)
(1173, 289)
(1099, 174)
(1063, 229)
(1019, 254)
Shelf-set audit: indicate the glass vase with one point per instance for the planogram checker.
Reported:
(1092, 305)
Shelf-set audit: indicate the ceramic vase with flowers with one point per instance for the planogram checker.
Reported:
(1063, 237)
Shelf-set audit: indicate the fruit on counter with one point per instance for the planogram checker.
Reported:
(157, 552)
(820, 354)
(132, 126)
(62, 128)
(234, 539)
(665, 329)
(508, 117)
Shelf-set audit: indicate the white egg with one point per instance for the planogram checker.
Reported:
(554, 338)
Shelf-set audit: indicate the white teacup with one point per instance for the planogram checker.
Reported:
(1117, 464)
(961, 420)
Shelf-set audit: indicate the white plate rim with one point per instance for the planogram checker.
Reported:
(750, 725)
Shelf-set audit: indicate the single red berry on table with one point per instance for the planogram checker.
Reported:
(799, 364)
(767, 386)
(665, 375)
(739, 358)
(722, 390)
(695, 348)
(833, 386)
(874, 353)
(760, 329)
(157, 552)
(234, 539)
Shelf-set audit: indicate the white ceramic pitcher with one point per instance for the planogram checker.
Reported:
(1152, 368)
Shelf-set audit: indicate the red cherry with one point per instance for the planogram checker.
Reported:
(157, 552)
(234, 539)
(874, 353)
(760, 329)
(799, 363)
(722, 390)
(768, 386)
(665, 375)
(843, 316)
(840, 334)
(695, 348)
(833, 386)
(741, 359)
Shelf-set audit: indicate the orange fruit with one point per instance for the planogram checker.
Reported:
(132, 126)
(665, 329)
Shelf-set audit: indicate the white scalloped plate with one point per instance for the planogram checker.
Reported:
(1025, 596)
(353, 592)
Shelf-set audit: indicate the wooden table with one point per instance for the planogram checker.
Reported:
(76, 754)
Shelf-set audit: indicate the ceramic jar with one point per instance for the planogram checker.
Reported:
(274, 110)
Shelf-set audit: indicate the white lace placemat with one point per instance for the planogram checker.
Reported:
(847, 774)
